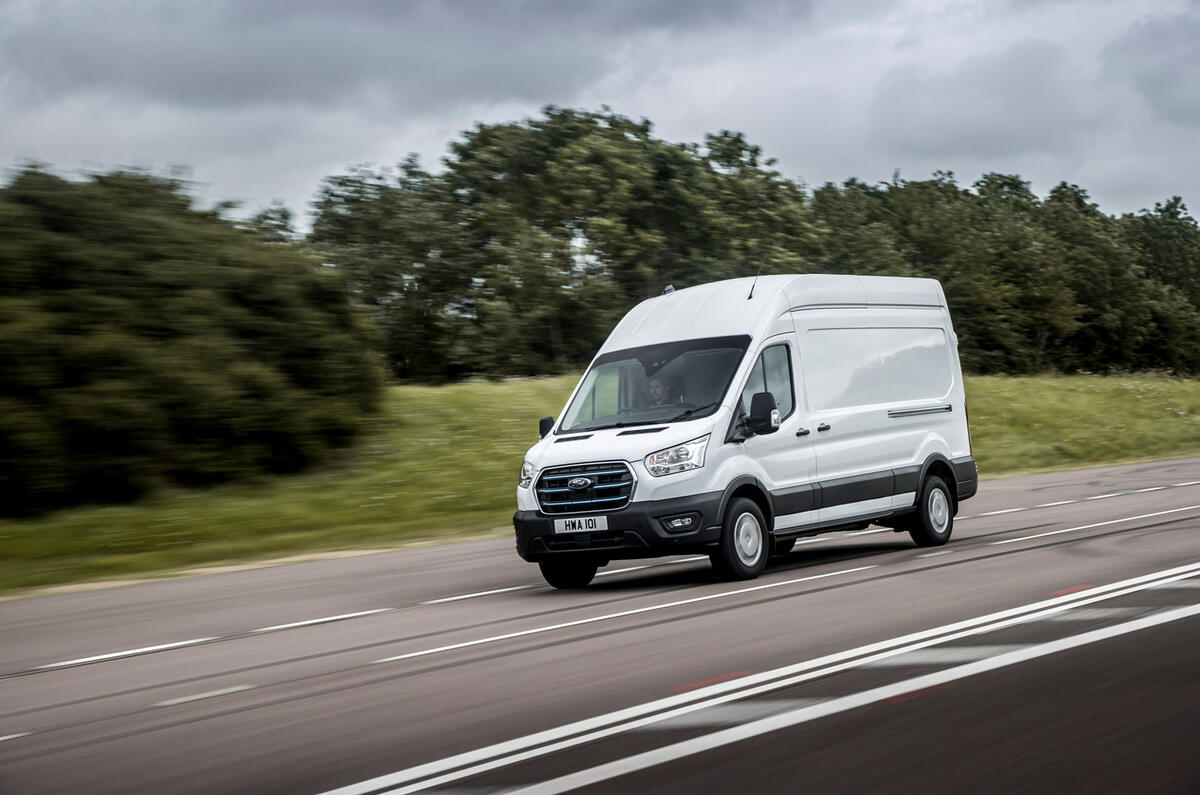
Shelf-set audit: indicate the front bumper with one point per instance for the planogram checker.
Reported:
(635, 531)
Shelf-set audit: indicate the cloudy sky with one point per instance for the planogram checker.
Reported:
(263, 98)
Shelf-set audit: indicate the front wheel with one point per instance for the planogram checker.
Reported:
(745, 542)
(933, 521)
(566, 573)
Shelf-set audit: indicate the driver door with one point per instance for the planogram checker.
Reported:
(785, 457)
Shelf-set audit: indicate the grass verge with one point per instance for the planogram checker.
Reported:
(441, 463)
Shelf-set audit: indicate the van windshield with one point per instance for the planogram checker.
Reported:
(653, 384)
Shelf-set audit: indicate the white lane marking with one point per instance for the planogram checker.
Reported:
(871, 531)
(531, 586)
(834, 706)
(460, 597)
(1182, 584)
(733, 713)
(127, 653)
(170, 702)
(1095, 613)
(1081, 499)
(326, 620)
(14, 736)
(473, 762)
(689, 559)
(939, 655)
(593, 619)
(935, 554)
(1095, 524)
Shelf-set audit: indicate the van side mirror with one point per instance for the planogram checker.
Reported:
(545, 425)
(764, 414)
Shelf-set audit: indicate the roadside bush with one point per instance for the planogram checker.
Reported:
(143, 341)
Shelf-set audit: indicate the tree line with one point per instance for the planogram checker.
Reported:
(520, 255)
(145, 340)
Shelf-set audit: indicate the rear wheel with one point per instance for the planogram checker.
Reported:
(567, 573)
(933, 521)
(745, 543)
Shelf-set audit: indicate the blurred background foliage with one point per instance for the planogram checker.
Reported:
(523, 252)
(146, 341)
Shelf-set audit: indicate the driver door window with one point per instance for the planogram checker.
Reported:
(772, 373)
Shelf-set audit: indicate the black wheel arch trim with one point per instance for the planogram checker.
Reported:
(748, 480)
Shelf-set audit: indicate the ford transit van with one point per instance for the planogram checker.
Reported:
(732, 418)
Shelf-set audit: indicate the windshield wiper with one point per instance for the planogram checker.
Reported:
(606, 426)
(683, 415)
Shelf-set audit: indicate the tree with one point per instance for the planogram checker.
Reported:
(145, 341)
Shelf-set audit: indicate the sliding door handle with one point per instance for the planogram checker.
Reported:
(823, 427)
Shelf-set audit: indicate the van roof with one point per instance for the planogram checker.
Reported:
(721, 309)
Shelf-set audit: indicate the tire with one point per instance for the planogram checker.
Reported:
(933, 521)
(564, 573)
(783, 547)
(745, 542)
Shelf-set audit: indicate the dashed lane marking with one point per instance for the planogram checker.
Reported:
(127, 653)
(532, 586)
(326, 620)
(636, 611)
(14, 736)
(1081, 499)
(1095, 524)
(170, 702)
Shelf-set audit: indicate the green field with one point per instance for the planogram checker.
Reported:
(442, 463)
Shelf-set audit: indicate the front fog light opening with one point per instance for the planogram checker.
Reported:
(681, 523)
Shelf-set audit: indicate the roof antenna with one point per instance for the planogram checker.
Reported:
(760, 267)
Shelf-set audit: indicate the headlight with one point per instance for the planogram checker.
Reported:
(680, 458)
(527, 473)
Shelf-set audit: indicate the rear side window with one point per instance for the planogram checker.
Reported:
(849, 367)
(772, 373)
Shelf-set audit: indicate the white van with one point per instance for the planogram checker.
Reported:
(734, 417)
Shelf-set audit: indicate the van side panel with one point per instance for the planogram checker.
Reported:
(887, 383)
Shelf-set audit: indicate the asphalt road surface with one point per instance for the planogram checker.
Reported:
(1053, 645)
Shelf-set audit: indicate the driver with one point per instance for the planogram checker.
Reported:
(663, 391)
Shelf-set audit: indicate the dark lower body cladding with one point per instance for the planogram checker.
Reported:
(636, 531)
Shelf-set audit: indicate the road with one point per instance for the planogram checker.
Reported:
(1053, 645)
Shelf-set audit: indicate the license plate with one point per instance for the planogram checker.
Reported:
(582, 524)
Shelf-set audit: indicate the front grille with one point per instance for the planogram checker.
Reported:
(610, 489)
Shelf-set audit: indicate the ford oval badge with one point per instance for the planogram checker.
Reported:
(578, 484)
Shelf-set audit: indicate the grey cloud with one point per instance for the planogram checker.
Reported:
(418, 55)
(1162, 57)
(1019, 100)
